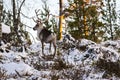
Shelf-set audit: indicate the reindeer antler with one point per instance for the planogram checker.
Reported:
(46, 18)
(36, 12)
(38, 19)
(34, 20)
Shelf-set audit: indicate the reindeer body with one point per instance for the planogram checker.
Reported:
(45, 36)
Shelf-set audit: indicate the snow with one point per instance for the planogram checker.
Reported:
(85, 42)
(73, 56)
(80, 60)
(20, 67)
(5, 28)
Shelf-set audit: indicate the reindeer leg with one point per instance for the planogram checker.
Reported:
(50, 47)
(54, 44)
(42, 48)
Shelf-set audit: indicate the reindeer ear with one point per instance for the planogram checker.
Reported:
(38, 21)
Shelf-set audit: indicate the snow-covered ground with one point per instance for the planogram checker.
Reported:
(75, 60)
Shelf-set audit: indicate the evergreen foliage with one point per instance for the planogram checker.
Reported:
(51, 23)
(85, 15)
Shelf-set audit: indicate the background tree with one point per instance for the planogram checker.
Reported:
(76, 21)
(83, 15)
(18, 36)
(117, 28)
(95, 26)
(110, 19)
(16, 17)
(1, 9)
(60, 18)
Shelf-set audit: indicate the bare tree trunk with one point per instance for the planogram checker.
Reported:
(60, 18)
(111, 30)
(93, 32)
(110, 21)
(1, 8)
(15, 23)
(14, 16)
(19, 10)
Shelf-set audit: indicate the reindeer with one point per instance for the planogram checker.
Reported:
(44, 35)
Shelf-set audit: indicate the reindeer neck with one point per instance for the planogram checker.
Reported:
(39, 30)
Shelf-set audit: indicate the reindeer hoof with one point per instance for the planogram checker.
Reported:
(48, 57)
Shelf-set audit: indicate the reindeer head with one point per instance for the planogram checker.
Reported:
(39, 22)
(38, 25)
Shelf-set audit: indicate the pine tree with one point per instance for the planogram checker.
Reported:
(76, 21)
(94, 23)
(84, 15)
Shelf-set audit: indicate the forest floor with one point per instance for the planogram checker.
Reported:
(75, 60)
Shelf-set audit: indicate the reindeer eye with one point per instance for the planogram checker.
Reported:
(37, 25)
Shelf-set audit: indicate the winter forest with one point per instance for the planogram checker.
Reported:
(59, 40)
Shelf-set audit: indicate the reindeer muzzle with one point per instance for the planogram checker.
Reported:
(34, 28)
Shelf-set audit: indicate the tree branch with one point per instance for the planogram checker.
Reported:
(20, 8)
